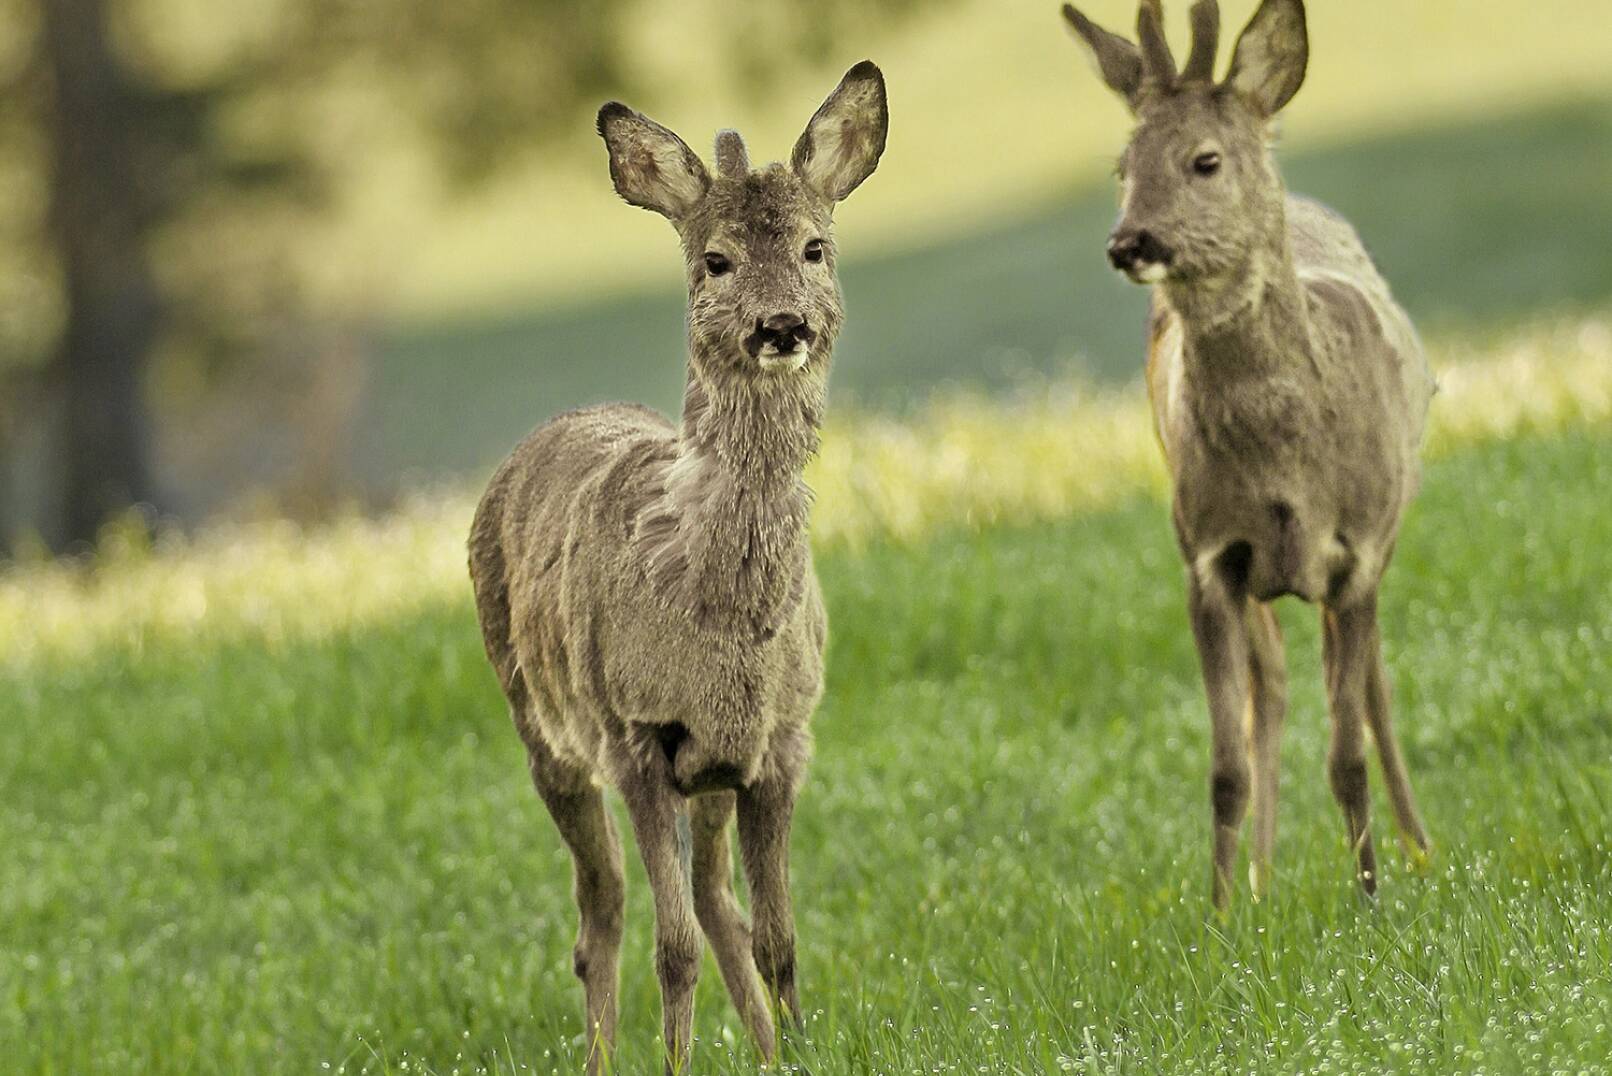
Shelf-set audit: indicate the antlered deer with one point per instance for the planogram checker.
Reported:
(1290, 393)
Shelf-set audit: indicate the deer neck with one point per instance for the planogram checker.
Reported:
(1248, 326)
(729, 533)
(1248, 357)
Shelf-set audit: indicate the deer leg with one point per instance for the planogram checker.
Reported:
(1346, 651)
(765, 812)
(1220, 631)
(1382, 731)
(661, 827)
(721, 918)
(1267, 712)
(578, 809)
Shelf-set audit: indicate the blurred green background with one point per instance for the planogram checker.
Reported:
(381, 242)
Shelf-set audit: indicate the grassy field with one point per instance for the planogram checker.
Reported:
(283, 823)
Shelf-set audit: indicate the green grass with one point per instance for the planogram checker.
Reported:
(252, 856)
(1477, 224)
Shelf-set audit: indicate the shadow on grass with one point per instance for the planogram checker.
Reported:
(1475, 223)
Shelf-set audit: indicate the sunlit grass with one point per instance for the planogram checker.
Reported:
(1065, 449)
(275, 581)
(962, 461)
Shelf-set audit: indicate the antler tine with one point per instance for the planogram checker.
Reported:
(731, 159)
(1205, 42)
(1157, 63)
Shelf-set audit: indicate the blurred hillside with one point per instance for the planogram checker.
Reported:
(1471, 148)
(437, 321)
(1470, 241)
(993, 112)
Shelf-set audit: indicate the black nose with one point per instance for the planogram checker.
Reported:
(783, 331)
(1130, 247)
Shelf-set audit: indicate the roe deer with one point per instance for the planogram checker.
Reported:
(1289, 392)
(646, 590)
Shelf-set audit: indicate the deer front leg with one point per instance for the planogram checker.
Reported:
(586, 827)
(1347, 652)
(1268, 712)
(722, 920)
(578, 810)
(1220, 631)
(661, 827)
(765, 811)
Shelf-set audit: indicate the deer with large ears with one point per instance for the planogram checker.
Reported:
(646, 591)
(1289, 392)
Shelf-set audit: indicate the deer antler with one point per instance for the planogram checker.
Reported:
(1205, 42)
(1157, 63)
(732, 162)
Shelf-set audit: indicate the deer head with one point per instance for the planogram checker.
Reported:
(764, 300)
(1201, 199)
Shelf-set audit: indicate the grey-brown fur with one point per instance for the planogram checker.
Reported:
(646, 591)
(1290, 394)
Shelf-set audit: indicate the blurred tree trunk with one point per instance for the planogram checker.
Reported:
(131, 144)
(99, 223)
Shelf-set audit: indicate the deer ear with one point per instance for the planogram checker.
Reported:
(844, 139)
(1117, 62)
(650, 165)
(1268, 65)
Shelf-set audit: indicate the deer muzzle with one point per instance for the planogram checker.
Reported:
(1139, 254)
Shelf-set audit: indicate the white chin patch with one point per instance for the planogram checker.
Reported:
(1149, 272)
(782, 362)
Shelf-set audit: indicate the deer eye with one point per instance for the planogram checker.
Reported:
(1206, 164)
(813, 251)
(716, 264)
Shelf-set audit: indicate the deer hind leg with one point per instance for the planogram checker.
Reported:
(1267, 711)
(721, 918)
(1347, 652)
(579, 813)
(1378, 714)
(1220, 630)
